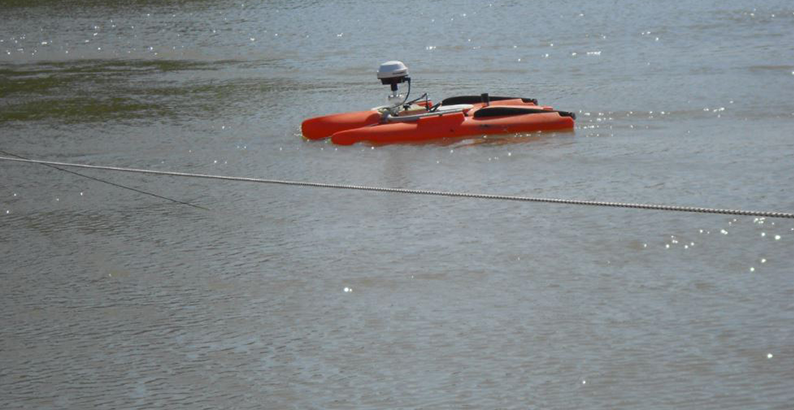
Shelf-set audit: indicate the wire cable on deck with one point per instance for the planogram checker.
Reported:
(675, 208)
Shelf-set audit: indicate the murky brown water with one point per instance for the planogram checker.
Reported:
(283, 297)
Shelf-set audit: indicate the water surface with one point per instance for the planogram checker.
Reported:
(284, 297)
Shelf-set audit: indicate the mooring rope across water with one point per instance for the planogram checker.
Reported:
(676, 208)
(140, 191)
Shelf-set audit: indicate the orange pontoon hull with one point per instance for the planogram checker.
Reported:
(323, 127)
(451, 126)
(506, 116)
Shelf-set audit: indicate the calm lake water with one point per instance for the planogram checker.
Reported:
(284, 297)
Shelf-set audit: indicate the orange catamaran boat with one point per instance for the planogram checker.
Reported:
(419, 120)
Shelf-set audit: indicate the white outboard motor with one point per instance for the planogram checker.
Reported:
(393, 73)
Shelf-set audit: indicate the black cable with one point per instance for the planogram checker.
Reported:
(409, 90)
(415, 100)
(111, 183)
